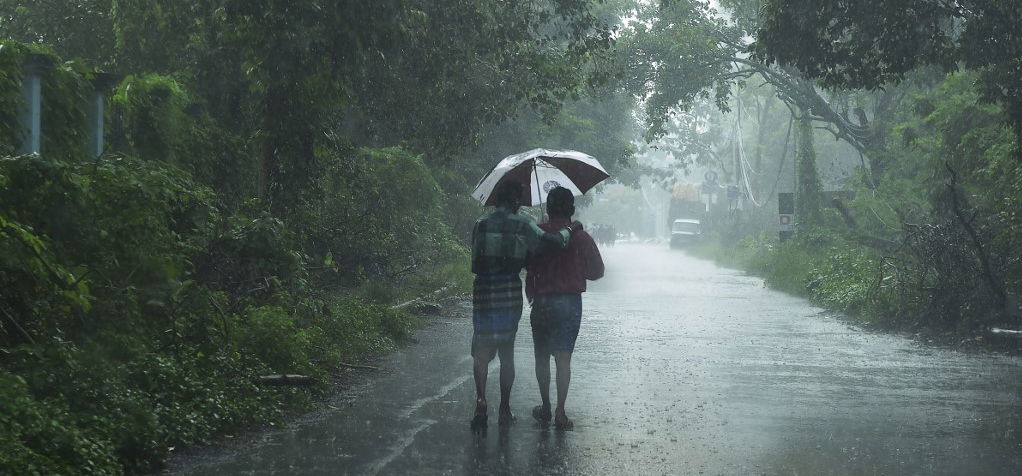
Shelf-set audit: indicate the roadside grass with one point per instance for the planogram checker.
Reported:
(827, 270)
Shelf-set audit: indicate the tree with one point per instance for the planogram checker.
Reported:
(73, 28)
(869, 43)
(681, 52)
(282, 80)
(808, 192)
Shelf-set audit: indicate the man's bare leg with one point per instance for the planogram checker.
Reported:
(563, 361)
(480, 370)
(543, 378)
(506, 354)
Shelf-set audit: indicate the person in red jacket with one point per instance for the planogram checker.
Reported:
(554, 285)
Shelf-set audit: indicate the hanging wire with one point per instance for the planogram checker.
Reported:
(743, 161)
(784, 156)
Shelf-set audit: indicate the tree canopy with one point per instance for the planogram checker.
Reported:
(870, 43)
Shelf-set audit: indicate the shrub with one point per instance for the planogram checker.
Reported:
(39, 438)
(380, 216)
(138, 311)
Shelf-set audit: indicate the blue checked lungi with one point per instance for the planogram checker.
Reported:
(496, 309)
(556, 319)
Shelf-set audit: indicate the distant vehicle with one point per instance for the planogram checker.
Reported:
(686, 214)
(685, 231)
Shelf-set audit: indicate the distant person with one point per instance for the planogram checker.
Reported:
(502, 241)
(554, 285)
(599, 233)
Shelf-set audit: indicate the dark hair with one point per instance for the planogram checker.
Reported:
(509, 194)
(560, 202)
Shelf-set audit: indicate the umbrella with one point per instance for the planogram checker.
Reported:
(542, 170)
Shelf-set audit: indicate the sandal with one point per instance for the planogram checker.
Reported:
(541, 415)
(506, 418)
(563, 424)
(479, 420)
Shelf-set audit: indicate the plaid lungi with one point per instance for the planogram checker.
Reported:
(496, 309)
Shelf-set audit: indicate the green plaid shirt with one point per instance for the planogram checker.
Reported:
(502, 241)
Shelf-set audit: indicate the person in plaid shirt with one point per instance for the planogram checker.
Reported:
(502, 242)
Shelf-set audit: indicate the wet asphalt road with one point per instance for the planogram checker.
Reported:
(682, 367)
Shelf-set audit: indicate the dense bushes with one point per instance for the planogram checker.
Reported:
(830, 271)
(115, 342)
(38, 438)
(931, 238)
(138, 305)
(264, 196)
(380, 215)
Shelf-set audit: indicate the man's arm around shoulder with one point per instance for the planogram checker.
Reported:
(552, 240)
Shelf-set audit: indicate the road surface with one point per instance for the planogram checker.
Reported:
(682, 367)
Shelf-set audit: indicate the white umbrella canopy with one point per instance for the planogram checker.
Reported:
(540, 171)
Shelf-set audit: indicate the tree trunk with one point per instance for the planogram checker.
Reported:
(808, 190)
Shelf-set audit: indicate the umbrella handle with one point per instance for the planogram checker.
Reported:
(539, 191)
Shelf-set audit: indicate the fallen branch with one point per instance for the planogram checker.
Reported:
(1011, 332)
(287, 380)
(358, 366)
(419, 299)
(988, 274)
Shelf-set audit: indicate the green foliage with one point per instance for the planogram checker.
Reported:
(879, 41)
(831, 272)
(951, 158)
(252, 255)
(274, 336)
(66, 89)
(137, 312)
(784, 266)
(381, 216)
(128, 350)
(356, 327)
(265, 158)
(679, 54)
(868, 43)
(285, 79)
(12, 57)
(151, 120)
(934, 245)
(77, 29)
(40, 439)
(601, 125)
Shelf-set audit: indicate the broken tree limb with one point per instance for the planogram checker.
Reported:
(420, 298)
(881, 244)
(357, 366)
(956, 207)
(286, 380)
(1010, 332)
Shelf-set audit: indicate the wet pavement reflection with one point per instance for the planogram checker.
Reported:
(681, 367)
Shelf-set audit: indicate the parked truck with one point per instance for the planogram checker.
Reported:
(685, 215)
